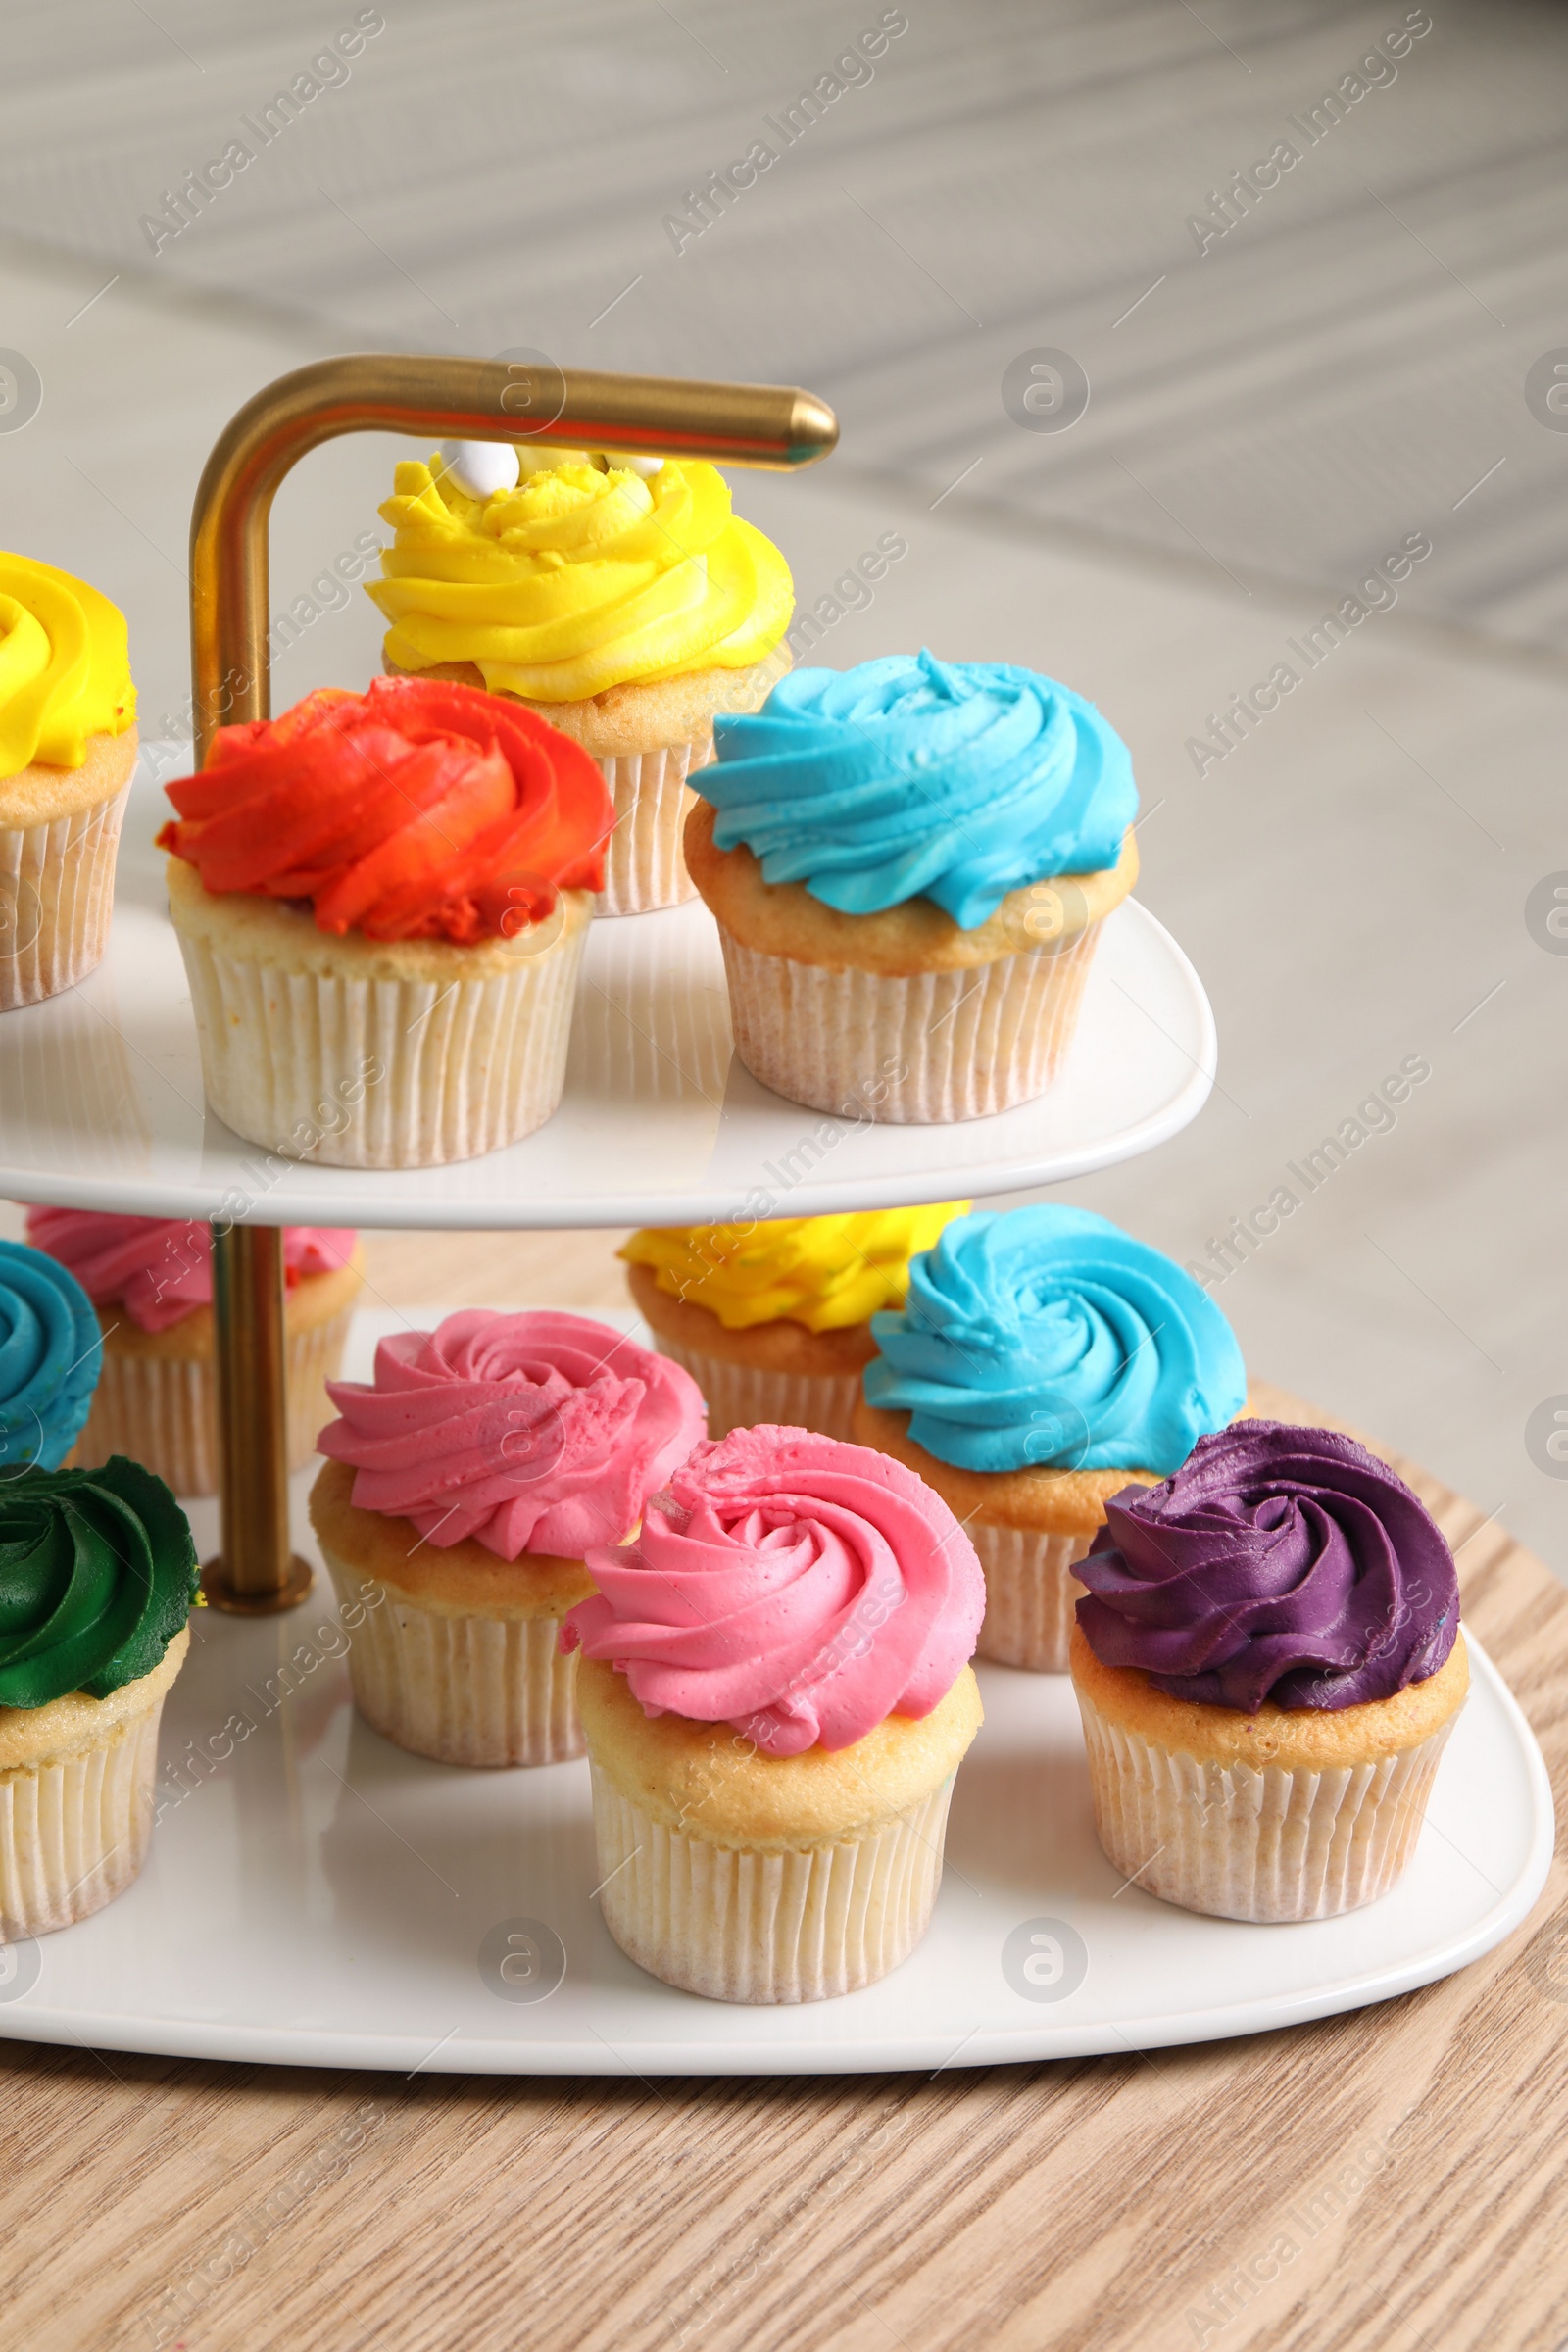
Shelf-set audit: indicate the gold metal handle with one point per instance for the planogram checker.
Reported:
(472, 400)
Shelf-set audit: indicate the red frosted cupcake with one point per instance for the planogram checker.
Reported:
(383, 900)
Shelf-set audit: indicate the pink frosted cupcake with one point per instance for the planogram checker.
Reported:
(467, 1480)
(776, 1694)
(151, 1281)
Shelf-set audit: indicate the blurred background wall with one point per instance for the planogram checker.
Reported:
(1300, 269)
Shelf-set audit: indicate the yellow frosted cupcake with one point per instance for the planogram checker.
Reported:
(910, 865)
(1043, 1358)
(1268, 1664)
(623, 601)
(776, 1695)
(67, 747)
(100, 1573)
(773, 1321)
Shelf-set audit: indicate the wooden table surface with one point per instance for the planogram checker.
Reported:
(1391, 2178)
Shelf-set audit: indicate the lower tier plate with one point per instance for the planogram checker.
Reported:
(315, 1896)
(101, 1102)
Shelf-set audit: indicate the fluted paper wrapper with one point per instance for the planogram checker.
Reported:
(1030, 1595)
(56, 893)
(460, 1690)
(74, 1830)
(467, 1068)
(162, 1410)
(645, 864)
(741, 1395)
(765, 1927)
(919, 1051)
(1243, 1842)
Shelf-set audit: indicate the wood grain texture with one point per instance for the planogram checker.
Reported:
(1408, 2156)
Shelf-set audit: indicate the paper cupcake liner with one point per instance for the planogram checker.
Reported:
(740, 1926)
(290, 1059)
(56, 892)
(1030, 1595)
(645, 865)
(478, 1690)
(1256, 1843)
(914, 1052)
(740, 1396)
(162, 1410)
(74, 1830)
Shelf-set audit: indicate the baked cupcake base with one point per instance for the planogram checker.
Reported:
(760, 1880)
(457, 1655)
(360, 1054)
(920, 1050)
(1291, 1814)
(156, 1397)
(1031, 1593)
(771, 1372)
(1029, 1528)
(78, 1799)
(59, 838)
(766, 1928)
(901, 1016)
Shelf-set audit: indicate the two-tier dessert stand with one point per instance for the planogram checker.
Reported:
(317, 1897)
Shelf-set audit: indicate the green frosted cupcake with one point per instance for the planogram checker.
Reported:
(97, 1576)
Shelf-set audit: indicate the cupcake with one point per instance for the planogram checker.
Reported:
(381, 899)
(467, 1480)
(909, 863)
(151, 1281)
(776, 1695)
(1267, 1663)
(772, 1321)
(100, 1573)
(620, 599)
(1042, 1359)
(50, 1359)
(68, 746)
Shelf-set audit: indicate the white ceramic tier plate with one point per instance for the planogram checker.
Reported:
(101, 1102)
(318, 1897)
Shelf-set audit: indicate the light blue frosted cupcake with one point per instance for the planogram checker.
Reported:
(1042, 1361)
(51, 1355)
(911, 863)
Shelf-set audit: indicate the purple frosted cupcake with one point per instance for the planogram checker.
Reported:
(1267, 1663)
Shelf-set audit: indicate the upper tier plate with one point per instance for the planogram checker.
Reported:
(101, 1102)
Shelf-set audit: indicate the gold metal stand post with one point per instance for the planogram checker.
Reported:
(437, 399)
(257, 1570)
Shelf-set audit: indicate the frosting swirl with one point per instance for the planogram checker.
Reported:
(799, 1587)
(1280, 1563)
(578, 580)
(65, 670)
(825, 1272)
(533, 1432)
(1046, 1338)
(50, 1357)
(910, 777)
(97, 1576)
(419, 810)
(159, 1269)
